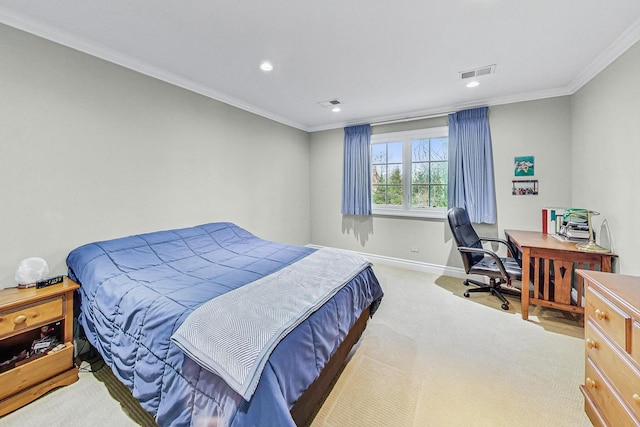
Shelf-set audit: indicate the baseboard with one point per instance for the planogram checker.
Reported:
(423, 267)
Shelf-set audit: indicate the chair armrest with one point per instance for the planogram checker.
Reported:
(493, 255)
(510, 247)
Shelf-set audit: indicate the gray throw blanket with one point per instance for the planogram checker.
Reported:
(234, 334)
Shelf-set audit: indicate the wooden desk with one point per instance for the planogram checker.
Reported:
(549, 264)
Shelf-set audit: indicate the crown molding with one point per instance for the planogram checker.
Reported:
(443, 111)
(20, 22)
(627, 39)
(63, 38)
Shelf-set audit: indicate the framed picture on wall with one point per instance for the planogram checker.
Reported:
(523, 166)
(525, 187)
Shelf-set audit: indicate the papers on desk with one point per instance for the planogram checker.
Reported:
(569, 239)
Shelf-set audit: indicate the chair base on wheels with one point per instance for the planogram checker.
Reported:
(494, 288)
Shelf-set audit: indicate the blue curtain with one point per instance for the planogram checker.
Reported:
(356, 177)
(471, 180)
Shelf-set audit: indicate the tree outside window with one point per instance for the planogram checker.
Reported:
(409, 171)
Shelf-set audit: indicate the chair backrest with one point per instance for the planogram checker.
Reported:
(464, 235)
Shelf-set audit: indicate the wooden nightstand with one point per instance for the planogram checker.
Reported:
(23, 312)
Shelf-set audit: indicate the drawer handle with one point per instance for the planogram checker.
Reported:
(590, 383)
(636, 398)
(20, 319)
(601, 315)
(591, 343)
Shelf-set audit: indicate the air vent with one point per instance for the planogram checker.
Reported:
(330, 103)
(478, 72)
(468, 74)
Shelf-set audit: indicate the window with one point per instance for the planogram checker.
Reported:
(409, 172)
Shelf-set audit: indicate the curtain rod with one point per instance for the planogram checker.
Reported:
(410, 119)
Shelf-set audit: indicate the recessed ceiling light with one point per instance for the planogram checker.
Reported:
(335, 109)
(266, 66)
(473, 84)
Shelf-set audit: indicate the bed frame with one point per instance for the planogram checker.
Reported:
(304, 410)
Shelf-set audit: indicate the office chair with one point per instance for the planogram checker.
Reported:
(478, 260)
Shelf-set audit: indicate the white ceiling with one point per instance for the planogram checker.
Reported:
(384, 60)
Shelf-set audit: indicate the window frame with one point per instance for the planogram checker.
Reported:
(406, 137)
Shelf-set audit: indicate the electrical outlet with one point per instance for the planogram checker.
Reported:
(415, 249)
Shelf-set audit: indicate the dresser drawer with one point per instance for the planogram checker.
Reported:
(592, 410)
(614, 322)
(35, 371)
(614, 366)
(635, 342)
(34, 315)
(603, 397)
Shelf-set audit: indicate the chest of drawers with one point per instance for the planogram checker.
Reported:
(612, 349)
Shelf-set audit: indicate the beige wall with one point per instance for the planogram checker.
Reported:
(586, 149)
(606, 151)
(539, 128)
(90, 151)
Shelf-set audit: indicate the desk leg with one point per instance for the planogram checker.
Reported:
(524, 295)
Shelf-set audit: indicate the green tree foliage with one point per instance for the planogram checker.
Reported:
(394, 189)
(387, 192)
(429, 174)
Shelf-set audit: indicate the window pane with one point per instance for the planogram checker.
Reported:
(420, 196)
(394, 152)
(439, 172)
(395, 195)
(395, 174)
(379, 194)
(439, 196)
(379, 174)
(378, 153)
(420, 173)
(420, 150)
(439, 149)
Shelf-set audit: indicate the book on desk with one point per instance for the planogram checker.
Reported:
(552, 220)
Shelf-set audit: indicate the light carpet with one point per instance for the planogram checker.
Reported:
(454, 361)
(429, 357)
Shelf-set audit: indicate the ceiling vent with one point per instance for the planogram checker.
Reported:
(478, 72)
(331, 103)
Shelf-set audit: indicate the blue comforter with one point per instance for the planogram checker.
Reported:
(136, 291)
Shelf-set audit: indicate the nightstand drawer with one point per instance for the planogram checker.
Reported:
(615, 323)
(601, 394)
(34, 315)
(35, 371)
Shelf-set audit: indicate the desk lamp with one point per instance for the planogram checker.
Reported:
(591, 245)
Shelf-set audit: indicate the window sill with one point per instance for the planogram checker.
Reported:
(434, 213)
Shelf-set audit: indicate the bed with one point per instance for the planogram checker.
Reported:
(138, 293)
